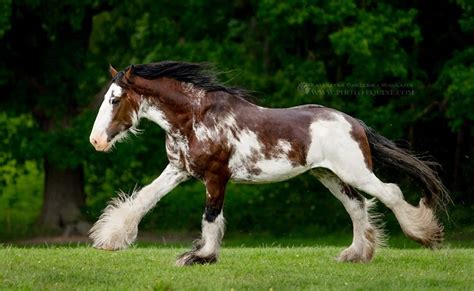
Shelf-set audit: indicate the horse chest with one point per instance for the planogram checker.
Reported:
(198, 157)
(177, 149)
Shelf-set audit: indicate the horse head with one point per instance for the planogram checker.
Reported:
(119, 112)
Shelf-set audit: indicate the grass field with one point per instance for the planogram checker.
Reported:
(259, 268)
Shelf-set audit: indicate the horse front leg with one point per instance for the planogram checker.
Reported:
(206, 249)
(117, 227)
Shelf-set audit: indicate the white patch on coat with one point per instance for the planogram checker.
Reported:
(176, 145)
(154, 114)
(284, 146)
(333, 147)
(212, 233)
(204, 133)
(246, 148)
(221, 127)
(279, 167)
(249, 165)
(276, 170)
(246, 144)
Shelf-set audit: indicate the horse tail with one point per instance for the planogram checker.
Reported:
(422, 170)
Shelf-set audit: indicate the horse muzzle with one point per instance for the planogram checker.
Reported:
(100, 143)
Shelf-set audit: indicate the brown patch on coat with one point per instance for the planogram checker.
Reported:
(273, 125)
(351, 192)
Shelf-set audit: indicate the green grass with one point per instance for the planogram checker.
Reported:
(259, 268)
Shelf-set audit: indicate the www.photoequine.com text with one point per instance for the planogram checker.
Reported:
(350, 89)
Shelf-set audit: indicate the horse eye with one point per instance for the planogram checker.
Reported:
(115, 101)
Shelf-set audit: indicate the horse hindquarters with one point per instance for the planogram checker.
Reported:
(341, 149)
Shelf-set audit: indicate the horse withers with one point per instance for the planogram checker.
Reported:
(215, 134)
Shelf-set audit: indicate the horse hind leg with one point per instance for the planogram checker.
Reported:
(352, 164)
(367, 233)
(418, 223)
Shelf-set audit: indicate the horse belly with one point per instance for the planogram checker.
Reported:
(266, 171)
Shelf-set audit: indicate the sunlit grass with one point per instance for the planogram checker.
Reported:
(259, 268)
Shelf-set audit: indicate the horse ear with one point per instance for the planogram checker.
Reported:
(112, 71)
(129, 72)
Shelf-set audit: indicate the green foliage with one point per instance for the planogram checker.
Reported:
(15, 148)
(5, 14)
(467, 20)
(20, 179)
(288, 52)
(20, 199)
(457, 83)
(373, 43)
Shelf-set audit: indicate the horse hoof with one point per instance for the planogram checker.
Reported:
(190, 258)
(352, 256)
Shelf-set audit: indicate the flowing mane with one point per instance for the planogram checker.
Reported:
(199, 74)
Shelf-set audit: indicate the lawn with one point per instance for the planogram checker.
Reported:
(259, 268)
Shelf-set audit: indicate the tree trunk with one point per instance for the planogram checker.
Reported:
(63, 198)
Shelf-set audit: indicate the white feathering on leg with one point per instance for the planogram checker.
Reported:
(117, 227)
(206, 249)
(212, 233)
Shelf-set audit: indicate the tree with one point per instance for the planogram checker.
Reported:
(54, 59)
(46, 72)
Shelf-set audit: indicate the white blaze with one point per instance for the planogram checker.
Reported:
(98, 135)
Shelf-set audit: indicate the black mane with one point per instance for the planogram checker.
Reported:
(199, 74)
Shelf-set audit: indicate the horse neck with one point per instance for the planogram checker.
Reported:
(169, 104)
(176, 106)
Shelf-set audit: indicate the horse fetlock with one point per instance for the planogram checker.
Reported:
(421, 225)
(114, 239)
(115, 230)
(192, 258)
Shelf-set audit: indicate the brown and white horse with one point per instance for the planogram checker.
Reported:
(215, 135)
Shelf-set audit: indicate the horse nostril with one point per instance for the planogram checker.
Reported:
(93, 141)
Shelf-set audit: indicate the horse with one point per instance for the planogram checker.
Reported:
(216, 134)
